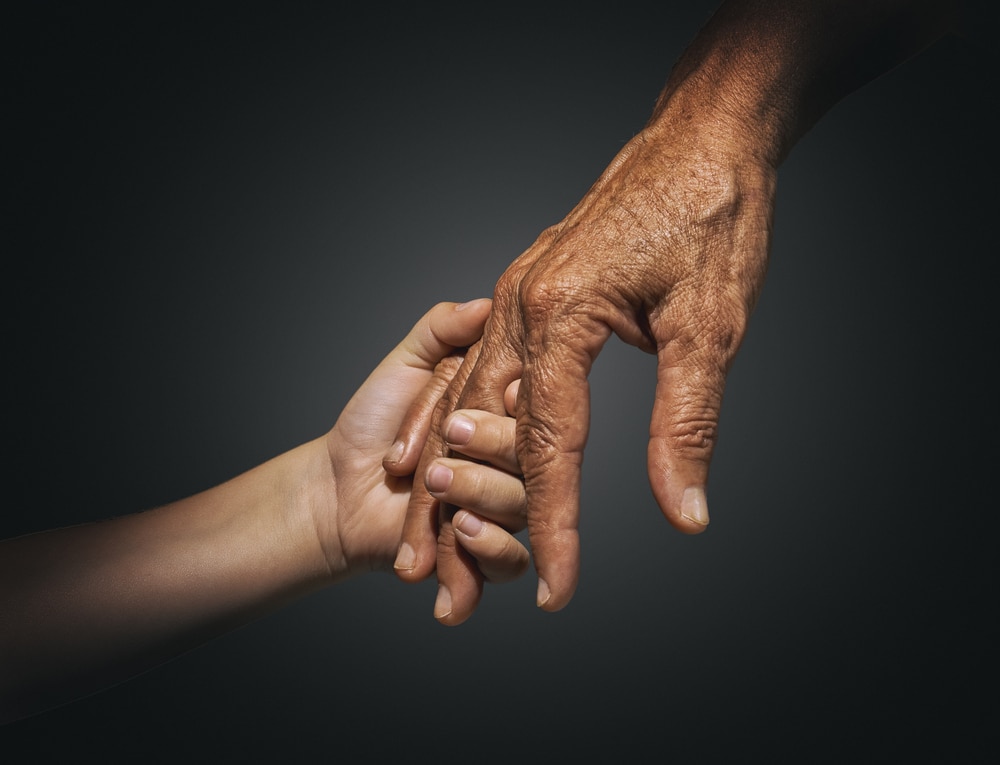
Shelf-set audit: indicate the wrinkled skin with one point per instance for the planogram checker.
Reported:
(668, 251)
(360, 531)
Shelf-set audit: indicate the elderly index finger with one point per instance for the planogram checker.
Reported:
(553, 422)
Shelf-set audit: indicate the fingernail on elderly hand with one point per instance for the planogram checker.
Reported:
(406, 558)
(442, 606)
(459, 430)
(394, 453)
(543, 593)
(694, 505)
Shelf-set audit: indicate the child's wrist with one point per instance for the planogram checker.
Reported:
(308, 513)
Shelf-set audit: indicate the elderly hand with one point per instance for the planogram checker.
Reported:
(668, 250)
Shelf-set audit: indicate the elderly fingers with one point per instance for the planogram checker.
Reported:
(417, 555)
(403, 455)
(684, 427)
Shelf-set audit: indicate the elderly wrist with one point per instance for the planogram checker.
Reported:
(744, 112)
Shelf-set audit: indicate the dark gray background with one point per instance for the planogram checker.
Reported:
(218, 222)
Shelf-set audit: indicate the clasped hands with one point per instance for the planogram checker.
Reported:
(668, 251)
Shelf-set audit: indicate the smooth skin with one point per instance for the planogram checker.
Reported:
(668, 250)
(88, 606)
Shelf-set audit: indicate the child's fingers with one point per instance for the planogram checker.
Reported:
(492, 493)
(500, 556)
(483, 436)
(510, 397)
(444, 329)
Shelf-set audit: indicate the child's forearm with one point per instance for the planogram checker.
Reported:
(84, 607)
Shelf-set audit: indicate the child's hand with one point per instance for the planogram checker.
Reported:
(358, 513)
(491, 497)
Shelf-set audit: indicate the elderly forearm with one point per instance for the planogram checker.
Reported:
(762, 72)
